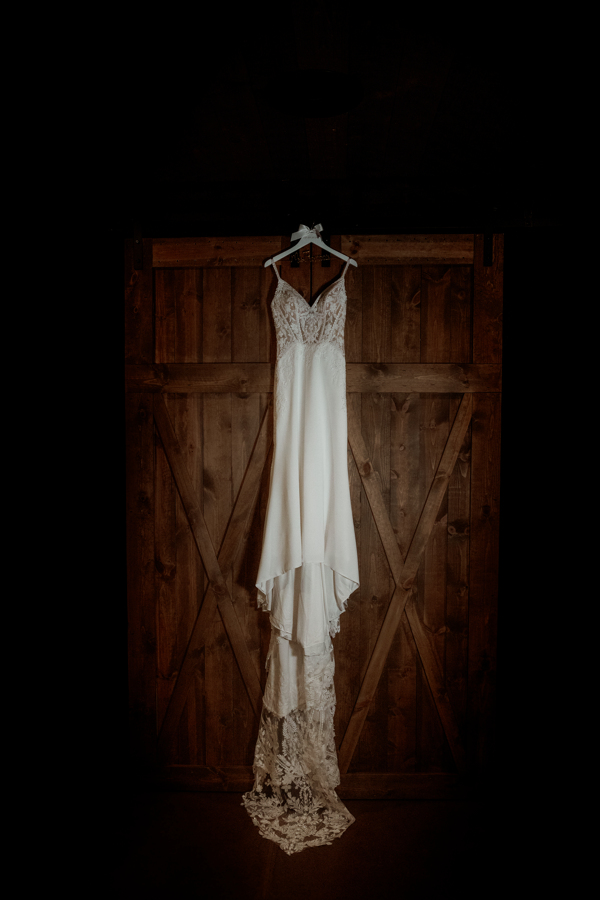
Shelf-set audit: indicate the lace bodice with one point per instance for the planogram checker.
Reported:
(298, 323)
(310, 330)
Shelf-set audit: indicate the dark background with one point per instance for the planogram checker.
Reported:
(234, 127)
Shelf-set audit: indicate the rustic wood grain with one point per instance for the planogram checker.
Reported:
(431, 579)
(377, 584)
(238, 525)
(432, 667)
(188, 315)
(371, 250)
(247, 288)
(402, 701)
(245, 423)
(409, 249)
(404, 581)
(405, 284)
(405, 507)
(186, 414)
(216, 324)
(218, 500)
(461, 298)
(170, 635)
(377, 314)
(457, 584)
(411, 353)
(214, 573)
(374, 492)
(347, 643)
(141, 601)
(214, 252)
(360, 378)
(483, 581)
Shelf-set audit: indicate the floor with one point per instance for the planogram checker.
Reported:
(171, 845)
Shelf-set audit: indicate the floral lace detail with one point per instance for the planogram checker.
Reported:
(316, 330)
(296, 771)
(297, 322)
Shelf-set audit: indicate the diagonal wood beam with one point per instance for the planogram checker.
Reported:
(404, 573)
(372, 485)
(217, 594)
(434, 673)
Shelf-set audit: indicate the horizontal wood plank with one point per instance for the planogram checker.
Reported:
(378, 250)
(409, 249)
(249, 378)
(354, 786)
(214, 251)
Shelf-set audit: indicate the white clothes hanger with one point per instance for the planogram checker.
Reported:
(306, 236)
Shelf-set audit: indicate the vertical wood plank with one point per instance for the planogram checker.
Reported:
(431, 603)
(347, 644)
(218, 500)
(186, 413)
(141, 603)
(219, 661)
(436, 314)
(402, 702)
(377, 584)
(246, 299)
(165, 321)
(165, 555)
(405, 314)
(139, 334)
(188, 315)
(461, 295)
(457, 584)
(246, 420)
(483, 581)
(377, 314)
(483, 587)
(487, 302)
(436, 296)
(405, 509)
(216, 319)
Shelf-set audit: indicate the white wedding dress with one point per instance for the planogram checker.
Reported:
(307, 571)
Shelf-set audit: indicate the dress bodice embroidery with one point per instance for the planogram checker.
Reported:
(309, 329)
(298, 323)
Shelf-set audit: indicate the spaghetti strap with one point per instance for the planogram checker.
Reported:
(346, 267)
(276, 271)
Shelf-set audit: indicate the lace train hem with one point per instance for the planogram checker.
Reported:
(293, 801)
(294, 828)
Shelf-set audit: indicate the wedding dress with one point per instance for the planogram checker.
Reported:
(307, 571)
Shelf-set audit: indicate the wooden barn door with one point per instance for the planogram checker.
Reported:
(415, 657)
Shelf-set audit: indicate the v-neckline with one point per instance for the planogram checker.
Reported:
(304, 300)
